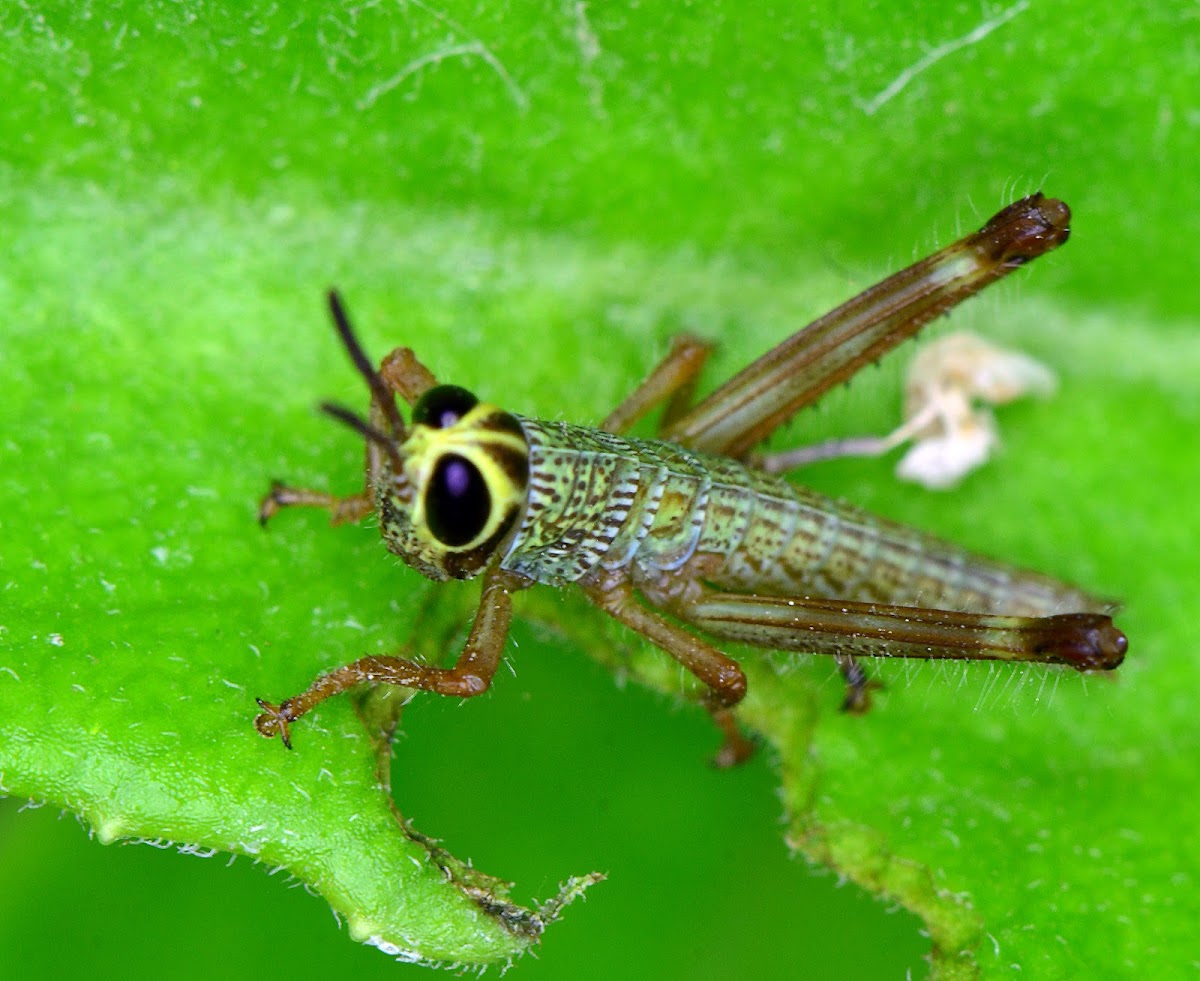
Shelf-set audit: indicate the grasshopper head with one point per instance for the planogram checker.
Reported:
(449, 487)
(461, 486)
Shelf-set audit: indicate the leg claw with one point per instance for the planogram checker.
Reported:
(858, 696)
(273, 721)
(735, 750)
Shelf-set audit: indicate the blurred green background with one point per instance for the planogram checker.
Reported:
(536, 197)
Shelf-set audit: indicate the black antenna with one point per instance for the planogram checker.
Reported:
(362, 427)
(382, 395)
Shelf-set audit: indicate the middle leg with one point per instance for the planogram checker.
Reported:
(672, 381)
(725, 679)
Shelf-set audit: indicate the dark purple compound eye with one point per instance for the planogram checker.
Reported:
(443, 406)
(457, 501)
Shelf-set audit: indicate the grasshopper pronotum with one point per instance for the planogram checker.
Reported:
(685, 525)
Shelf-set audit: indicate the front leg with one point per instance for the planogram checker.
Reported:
(471, 675)
(401, 373)
(353, 507)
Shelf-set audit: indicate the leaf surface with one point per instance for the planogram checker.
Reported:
(537, 198)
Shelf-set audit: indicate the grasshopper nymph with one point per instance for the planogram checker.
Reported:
(691, 524)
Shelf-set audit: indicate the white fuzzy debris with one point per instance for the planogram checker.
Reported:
(950, 385)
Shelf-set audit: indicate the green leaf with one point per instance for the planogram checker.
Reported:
(537, 198)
